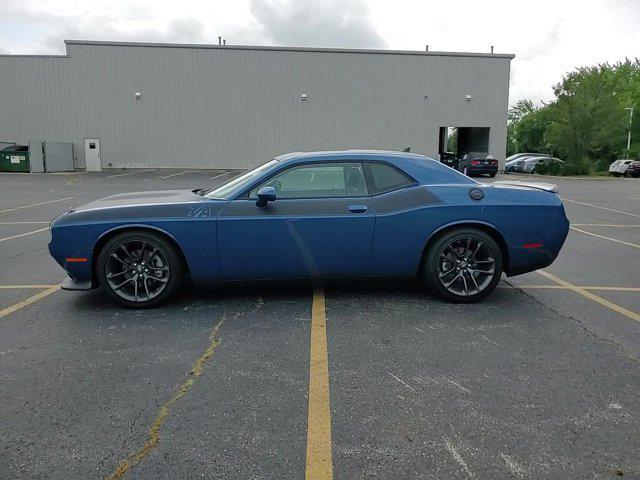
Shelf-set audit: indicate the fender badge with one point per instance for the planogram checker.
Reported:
(476, 194)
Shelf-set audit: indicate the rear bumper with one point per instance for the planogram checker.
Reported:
(488, 169)
(71, 284)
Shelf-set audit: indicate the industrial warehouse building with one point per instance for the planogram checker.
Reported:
(139, 105)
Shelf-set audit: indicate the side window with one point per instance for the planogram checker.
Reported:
(322, 180)
(384, 178)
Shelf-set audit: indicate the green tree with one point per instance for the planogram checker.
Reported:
(587, 123)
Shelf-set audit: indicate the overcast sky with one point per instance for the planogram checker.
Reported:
(548, 37)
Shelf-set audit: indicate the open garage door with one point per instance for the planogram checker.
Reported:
(455, 142)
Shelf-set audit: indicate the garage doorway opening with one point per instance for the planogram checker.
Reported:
(455, 142)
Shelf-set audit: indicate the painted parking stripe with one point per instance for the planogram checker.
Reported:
(562, 287)
(28, 301)
(606, 238)
(176, 174)
(22, 287)
(610, 225)
(24, 223)
(36, 204)
(221, 175)
(602, 208)
(129, 173)
(591, 296)
(319, 458)
(23, 234)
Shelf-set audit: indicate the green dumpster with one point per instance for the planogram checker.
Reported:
(14, 159)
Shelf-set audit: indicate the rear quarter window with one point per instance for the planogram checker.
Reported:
(385, 178)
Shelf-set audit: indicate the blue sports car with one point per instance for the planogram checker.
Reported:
(351, 213)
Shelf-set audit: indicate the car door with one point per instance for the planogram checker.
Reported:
(320, 225)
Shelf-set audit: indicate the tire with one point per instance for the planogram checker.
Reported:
(617, 174)
(626, 175)
(456, 246)
(492, 175)
(144, 265)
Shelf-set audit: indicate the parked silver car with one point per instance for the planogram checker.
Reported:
(620, 167)
(518, 159)
(528, 165)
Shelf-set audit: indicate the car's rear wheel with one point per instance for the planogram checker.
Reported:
(463, 265)
(626, 174)
(139, 269)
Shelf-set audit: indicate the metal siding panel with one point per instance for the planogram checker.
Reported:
(226, 108)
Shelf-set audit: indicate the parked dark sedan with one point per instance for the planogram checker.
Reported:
(478, 163)
(633, 170)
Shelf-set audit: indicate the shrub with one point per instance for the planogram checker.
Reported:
(562, 169)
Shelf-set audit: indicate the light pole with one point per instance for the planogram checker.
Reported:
(629, 134)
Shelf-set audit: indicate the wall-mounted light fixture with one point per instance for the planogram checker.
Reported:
(137, 95)
(468, 97)
(304, 97)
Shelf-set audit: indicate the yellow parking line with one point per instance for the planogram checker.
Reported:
(25, 223)
(602, 208)
(616, 308)
(28, 301)
(603, 225)
(606, 238)
(23, 234)
(36, 204)
(561, 287)
(23, 287)
(319, 459)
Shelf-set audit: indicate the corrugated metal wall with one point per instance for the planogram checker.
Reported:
(235, 108)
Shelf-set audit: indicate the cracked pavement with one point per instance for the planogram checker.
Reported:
(534, 382)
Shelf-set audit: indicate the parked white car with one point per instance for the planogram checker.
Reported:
(619, 167)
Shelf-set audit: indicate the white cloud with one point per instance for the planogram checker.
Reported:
(549, 37)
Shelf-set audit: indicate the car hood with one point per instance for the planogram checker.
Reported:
(161, 197)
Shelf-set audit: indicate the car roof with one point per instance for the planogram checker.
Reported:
(347, 154)
(421, 168)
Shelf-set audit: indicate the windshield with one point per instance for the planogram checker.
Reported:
(227, 189)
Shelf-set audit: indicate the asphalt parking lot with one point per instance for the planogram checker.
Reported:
(540, 380)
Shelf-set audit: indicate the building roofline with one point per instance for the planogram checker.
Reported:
(289, 49)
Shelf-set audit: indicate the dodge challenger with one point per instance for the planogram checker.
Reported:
(351, 213)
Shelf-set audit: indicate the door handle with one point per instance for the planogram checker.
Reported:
(357, 208)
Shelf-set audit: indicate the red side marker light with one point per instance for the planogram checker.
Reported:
(75, 259)
(532, 245)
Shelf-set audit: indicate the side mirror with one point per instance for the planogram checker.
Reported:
(266, 195)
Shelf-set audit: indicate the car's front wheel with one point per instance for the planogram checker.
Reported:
(463, 265)
(139, 269)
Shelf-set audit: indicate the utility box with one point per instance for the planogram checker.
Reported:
(58, 157)
(14, 159)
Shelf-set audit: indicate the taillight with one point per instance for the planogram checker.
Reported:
(475, 162)
(494, 162)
